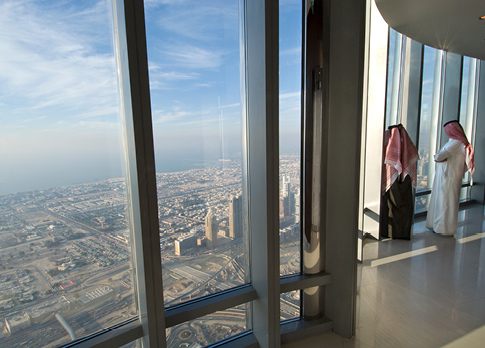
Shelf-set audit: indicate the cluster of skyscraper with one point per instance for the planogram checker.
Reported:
(235, 223)
(234, 231)
(289, 214)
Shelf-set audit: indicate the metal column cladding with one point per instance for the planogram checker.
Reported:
(313, 161)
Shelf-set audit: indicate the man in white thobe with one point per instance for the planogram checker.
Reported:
(452, 161)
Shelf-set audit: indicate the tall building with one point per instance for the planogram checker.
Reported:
(211, 229)
(235, 217)
(289, 204)
(287, 198)
(297, 207)
(357, 68)
(286, 186)
(282, 208)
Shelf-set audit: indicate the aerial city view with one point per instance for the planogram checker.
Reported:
(66, 236)
(65, 256)
(422, 175)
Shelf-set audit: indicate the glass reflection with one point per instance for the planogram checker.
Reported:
(425, 125)
(290, 137)
(208, 329)
(193, 51)
(290, 305)
(65, 269)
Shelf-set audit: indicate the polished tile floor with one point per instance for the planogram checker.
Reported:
(427, 292)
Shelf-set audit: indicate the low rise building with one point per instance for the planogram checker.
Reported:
(18, 323)
(184, 244)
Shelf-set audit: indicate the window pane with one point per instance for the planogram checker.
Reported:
(464, 193)
(426, 119)
(208, 329)
(464, 89)
(290, 305)
(421, 203)
(194, 66)
(134, 344)
(65, 240)
(467, 102)
(290, 125)
(395, 78)
(390, 74)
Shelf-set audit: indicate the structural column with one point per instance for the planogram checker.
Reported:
(335, 152)
(261, 163)
(373, 121)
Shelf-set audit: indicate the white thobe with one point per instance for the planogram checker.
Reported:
(445, 195)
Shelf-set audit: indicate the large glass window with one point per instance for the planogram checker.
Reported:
(290, 152)
(465, 89)
(467, 107)
(65, 240)
(469, 97)
(193, 52)
(78, 220)
(391, 57)
(290, 125)
(464, 96)
(395, 80)
(425, 157)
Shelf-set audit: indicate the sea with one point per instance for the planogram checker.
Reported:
(89, 170)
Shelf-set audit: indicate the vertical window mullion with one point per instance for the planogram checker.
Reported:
(477, 192)
(396, 80)
(142, 195)
(411, 91)
(261, 51)
(436, 110)
(452, 88)
(471, 110)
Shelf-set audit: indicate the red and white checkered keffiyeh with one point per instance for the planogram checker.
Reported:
(401, 157)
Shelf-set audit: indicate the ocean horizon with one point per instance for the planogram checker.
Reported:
(45, 180)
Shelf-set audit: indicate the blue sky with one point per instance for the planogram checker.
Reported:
(59, 100)
(193, 51)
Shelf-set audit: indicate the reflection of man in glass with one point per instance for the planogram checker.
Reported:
(452, 162)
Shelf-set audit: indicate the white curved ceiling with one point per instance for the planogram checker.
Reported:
(450, 25)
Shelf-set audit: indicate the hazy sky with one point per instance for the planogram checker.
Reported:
(59, 99)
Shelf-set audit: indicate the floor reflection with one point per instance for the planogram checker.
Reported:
(426, 292)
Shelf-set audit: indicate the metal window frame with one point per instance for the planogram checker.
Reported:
(142, 192)
(116, 336)
(262, 170)
(209, 304)
(478, 189)
(261, 49)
